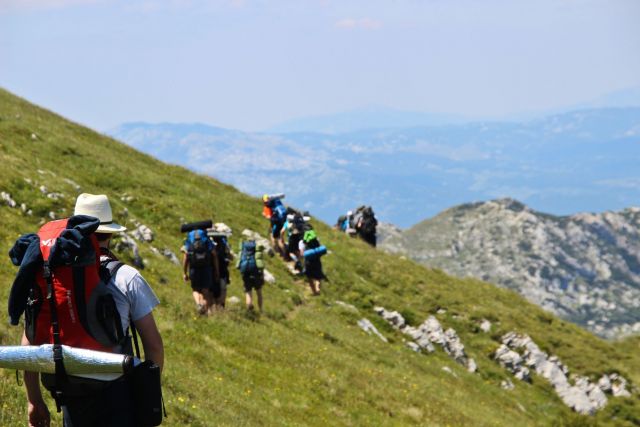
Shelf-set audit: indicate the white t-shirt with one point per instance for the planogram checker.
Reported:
(134, 299)
(132, 294)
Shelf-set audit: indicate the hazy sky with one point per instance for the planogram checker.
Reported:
(250, 64)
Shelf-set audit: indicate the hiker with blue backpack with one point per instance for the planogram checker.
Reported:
(276, 212)
(251, 266)
(200, 266)
(312, 251)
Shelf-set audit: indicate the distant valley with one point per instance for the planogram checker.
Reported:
(580, 161)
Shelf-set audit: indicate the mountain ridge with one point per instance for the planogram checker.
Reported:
(582, 267)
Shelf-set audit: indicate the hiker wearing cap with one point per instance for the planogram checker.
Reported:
(112, 404)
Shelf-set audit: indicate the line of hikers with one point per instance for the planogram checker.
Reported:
(206, 255)
(295, 240)
(362, 223)
(74, 291)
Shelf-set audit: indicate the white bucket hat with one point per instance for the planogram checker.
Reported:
(97, 205)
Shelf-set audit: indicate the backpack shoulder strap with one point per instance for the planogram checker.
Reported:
(108, 270)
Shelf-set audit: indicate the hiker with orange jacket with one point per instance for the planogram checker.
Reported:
(275, 211)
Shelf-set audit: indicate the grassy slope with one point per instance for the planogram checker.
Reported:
(304, 362)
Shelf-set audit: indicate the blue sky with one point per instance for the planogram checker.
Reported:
(250, 64)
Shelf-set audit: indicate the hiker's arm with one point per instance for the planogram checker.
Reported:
(185, 267)
(37, 410)
(151, 339)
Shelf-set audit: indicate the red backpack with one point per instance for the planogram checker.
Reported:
(84, 314)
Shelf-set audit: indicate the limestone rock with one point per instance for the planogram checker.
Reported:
(413, 346)
(582, 396)
(268, 277)
(430, 332)
(171, 256)
(6, 197)
(127, 243)
(368, 327)
(143, 233)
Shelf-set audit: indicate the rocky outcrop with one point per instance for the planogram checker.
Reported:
(142, 233)
(584, 268)
(125, 243)
(430, 332)
(518, 353)
(6, 197)
(368, 327)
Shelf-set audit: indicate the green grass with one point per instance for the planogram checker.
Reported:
(304, 361)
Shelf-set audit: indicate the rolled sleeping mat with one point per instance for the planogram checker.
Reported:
(218, 234)
(315, 253)
(77, 361)
(200, 225)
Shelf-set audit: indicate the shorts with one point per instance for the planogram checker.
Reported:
(253, 281)
(201, 278)
(276, 228)
(219, 286)
(294, 241)
(313, 269)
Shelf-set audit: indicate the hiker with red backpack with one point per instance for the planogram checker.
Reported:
(274, 210)
(74, 292)
(200, 267)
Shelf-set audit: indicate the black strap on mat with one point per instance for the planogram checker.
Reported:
(60, 372)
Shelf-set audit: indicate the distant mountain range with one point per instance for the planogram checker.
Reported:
(580, 161)
(585, 268)
(367, 118)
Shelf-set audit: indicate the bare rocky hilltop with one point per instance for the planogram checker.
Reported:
(585, 268)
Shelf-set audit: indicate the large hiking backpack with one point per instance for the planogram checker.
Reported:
(82, 310)
(248, 264)
(368, 221)
(198, 248)
(278, 211)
